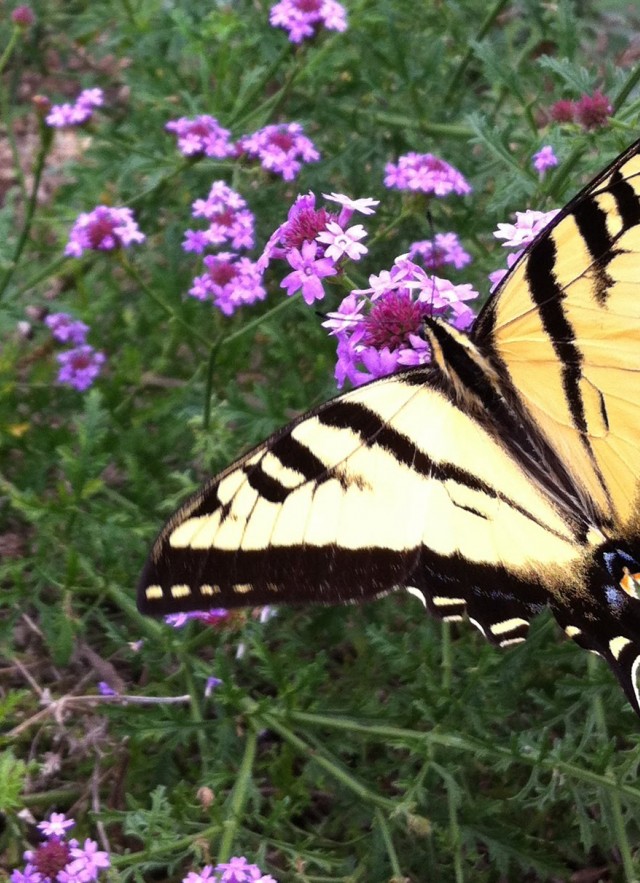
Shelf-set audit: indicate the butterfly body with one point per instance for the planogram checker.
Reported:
(498, 480)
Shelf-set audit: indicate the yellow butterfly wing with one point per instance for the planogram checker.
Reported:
(565, 329)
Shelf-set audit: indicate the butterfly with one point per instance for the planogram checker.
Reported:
(501, 479)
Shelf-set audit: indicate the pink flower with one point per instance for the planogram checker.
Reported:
(563, 111)
(544, 159)
(380, 328)
(445, 248)
(230, 281)
(56, 825)
(75, 114)
(229, 220)
(527, 226)
(308, 270)
(343, 242)
(67, 330)
(103, 229)
(201, 136)
(426, 173)
(303, 18)
(281, 149)
(79, 367)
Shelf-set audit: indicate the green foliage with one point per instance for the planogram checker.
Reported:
(355, 744)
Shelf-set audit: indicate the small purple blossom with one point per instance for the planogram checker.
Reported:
(211, 684)
(202, 136)
(544, 159)
(80, 366)
(445, 248)
(103, 229)
(79, 112)
(105, 690)
(230, 281)
(281, 149)
(229, 220)
(66, 329)
(239, 870)
(86, 864)
(303, 18)
(56, 825)
(303, 224)
(527, 226)
(341, 242)
(29, 875)
(380, 328)
(211, 617)
(23, 16)
(593, 111)
(308, 270)
(426, 173)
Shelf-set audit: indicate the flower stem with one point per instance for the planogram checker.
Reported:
(238, 797)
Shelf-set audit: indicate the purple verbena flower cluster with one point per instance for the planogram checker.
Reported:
(202, 136)
(230, 281)
(211, 617)
(236, 870)
(75, 114)
(426, 173)
(280, 148)
(229, 220)
(303, 18)
(80, 365)
(379, 329)
(527, 226)
(314, 242)
(103, 229)
(444, 248)
(544, 159)
(58, 860)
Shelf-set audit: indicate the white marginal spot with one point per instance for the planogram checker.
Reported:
(617, 645)
(242, 588)
(417, 594)
(209, 590)
(152, 593)
(571, 631)
(511, 641)
(442, 601)
(453, 618)
(508, 625)
(182, 590)
(634, 675)
(477, 625)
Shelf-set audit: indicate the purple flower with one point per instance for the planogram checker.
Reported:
(229, 220)
(544, 159)
(105, 690)
(29, 875)
(230, 282)
(211, 617)
(303, 18)
(308, 270)
(281, 149)
(202, 136)
(239, 870)
(75, 114)
(103, 229)
(203, 877)
(56, 825)
(87, 862)
(527, 226)
(343, 242)
(79, 367)
(445, 248)
(66, 329)
(303, 224)
(212, 683)
(380, 328)
(426, 173)
(23, 17)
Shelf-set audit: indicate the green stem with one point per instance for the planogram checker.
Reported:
(627, 88)
(169, 311)
(487, 23)
(318, 755)
(248, 99)
(238, 797)
(208, 386)
(6, 55)
(388, 842)
(446, 657)
(46, 138)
